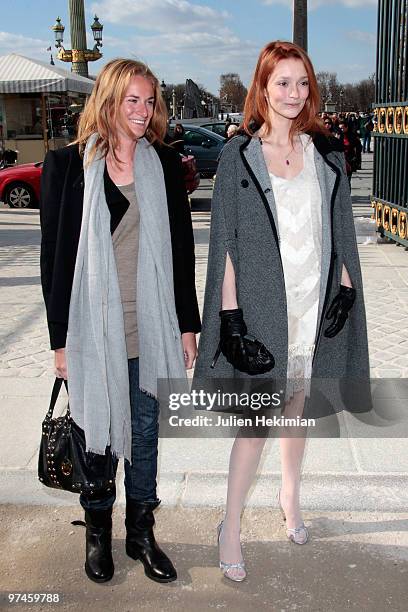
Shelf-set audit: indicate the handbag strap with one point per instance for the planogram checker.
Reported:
(54, 396)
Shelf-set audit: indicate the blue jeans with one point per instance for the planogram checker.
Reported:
(140, 475)
(367, 142)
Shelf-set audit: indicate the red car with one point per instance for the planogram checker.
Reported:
(20, 185)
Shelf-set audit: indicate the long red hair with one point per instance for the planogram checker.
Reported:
(256, 106)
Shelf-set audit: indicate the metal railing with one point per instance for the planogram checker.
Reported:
(389, 199)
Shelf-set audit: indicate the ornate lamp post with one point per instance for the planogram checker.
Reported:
(97, 28)
(170, 102)
(79, 56)
(174, 104)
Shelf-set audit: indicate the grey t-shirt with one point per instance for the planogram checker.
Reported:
(126, 247)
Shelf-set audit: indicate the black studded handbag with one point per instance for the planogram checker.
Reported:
(63, 462)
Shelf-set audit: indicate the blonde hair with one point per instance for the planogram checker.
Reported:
(232, 129)
(101, 112)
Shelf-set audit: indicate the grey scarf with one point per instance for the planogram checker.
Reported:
(96, 348)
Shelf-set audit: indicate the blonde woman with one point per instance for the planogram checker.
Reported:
(117, 271)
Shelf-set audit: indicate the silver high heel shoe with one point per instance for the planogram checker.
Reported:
(226, 567)
(298, 535)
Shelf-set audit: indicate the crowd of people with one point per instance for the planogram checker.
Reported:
(354, 131)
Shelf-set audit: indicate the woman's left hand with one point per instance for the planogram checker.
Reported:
(188, 340)
(339, 309)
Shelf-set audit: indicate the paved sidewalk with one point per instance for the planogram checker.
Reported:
(354, 562)
(339, 474)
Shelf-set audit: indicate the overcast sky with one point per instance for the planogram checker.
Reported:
(200, 39)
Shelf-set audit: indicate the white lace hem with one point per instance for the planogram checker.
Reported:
(300, 359)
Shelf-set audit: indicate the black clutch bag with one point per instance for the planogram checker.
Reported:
(63, 462)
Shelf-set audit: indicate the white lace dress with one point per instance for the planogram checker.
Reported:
(298, 204)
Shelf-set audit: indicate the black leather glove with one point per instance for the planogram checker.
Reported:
(242, 351)
(339, 310)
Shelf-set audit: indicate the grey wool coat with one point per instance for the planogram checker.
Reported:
(244, 224)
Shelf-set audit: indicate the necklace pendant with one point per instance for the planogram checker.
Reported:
(287, 162)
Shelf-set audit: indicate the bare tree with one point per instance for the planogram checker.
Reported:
(366, 93)
(356, 96)
(329, 86)
(232, 90)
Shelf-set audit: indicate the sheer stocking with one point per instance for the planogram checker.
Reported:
(244, 460)
(292, 452)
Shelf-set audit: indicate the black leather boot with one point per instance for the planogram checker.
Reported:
(99, 563)
(141, 543)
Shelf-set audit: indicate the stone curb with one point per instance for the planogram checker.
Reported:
(320, 492)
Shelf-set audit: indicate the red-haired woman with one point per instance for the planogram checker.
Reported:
(284, 273)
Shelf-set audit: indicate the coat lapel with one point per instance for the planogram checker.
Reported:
(254, 156)
(327, 180)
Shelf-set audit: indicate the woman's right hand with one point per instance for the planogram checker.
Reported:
(243, 352)
(60, 363)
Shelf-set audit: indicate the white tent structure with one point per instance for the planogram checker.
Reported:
(19, 74)
(36, 103)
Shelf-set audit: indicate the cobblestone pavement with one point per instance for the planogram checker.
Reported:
(24, 348)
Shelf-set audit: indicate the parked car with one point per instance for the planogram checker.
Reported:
(209, 123)
(218, 127)
(206, 147)
(20, 185)
(214, 125)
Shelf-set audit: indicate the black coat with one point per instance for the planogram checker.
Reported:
(61, 201)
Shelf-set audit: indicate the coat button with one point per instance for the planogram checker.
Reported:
(244, 183)
(267, 190)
